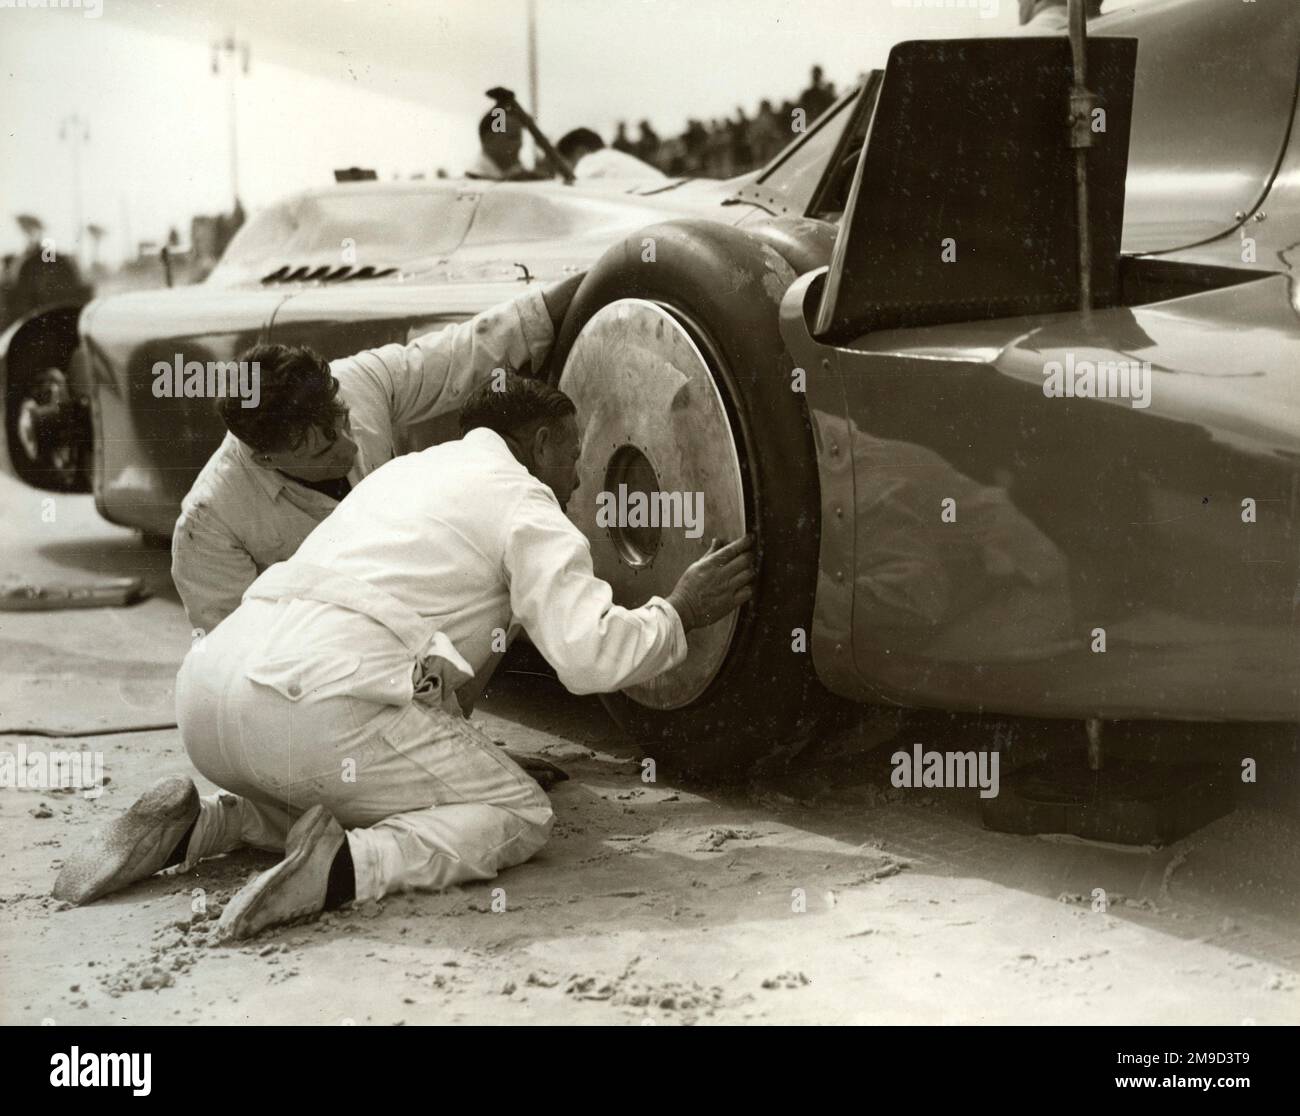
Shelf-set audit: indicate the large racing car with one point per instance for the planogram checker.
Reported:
(1013, 435)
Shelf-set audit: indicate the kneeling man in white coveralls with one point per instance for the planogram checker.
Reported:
(325, 705)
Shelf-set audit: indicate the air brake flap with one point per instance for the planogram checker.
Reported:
(963, 206)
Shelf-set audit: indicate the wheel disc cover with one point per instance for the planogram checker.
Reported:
(647, 400)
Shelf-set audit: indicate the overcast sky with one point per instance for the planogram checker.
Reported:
(396, 85)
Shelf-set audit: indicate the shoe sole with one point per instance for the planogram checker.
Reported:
(113, 858)
(245, 915)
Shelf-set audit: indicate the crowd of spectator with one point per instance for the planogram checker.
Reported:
(724, 146)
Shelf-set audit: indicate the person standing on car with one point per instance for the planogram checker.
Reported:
(326, 706)
(501, 138)
(321, 426)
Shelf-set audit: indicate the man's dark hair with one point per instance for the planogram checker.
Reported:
(573, 144)
(298, 393)
(511, 403)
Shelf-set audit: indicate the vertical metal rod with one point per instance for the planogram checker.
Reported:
(1078, 20)
(233, 50)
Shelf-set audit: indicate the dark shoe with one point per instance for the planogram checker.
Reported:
(133, 846)
(295, 887)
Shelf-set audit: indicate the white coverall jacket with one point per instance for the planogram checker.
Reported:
(332, 682)
(241, 517)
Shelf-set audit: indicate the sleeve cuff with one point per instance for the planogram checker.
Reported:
(535, 321)
(677, 634)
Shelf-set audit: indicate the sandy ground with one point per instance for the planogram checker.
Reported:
(653, 903)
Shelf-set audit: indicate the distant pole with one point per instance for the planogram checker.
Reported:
(230, 47)
(76, 131)
(533, 106)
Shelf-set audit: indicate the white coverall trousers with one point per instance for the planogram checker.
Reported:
(427, 800)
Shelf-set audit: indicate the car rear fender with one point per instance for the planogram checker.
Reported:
(989, 543)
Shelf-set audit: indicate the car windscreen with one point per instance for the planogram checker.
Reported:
(378, 227)
(794, 175)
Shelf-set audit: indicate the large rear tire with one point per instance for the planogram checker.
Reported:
(721, 288)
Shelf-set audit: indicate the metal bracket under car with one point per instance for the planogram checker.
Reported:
(1126, 803)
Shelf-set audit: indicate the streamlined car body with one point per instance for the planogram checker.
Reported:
(973, 487)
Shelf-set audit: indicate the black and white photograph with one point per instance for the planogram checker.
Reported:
(614, 513)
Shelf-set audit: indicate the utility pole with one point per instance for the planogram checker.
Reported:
(532, 58)
(76, 131)
(230, 48)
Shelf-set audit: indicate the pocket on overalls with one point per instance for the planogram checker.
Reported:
(303, 729)
(297, 678)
